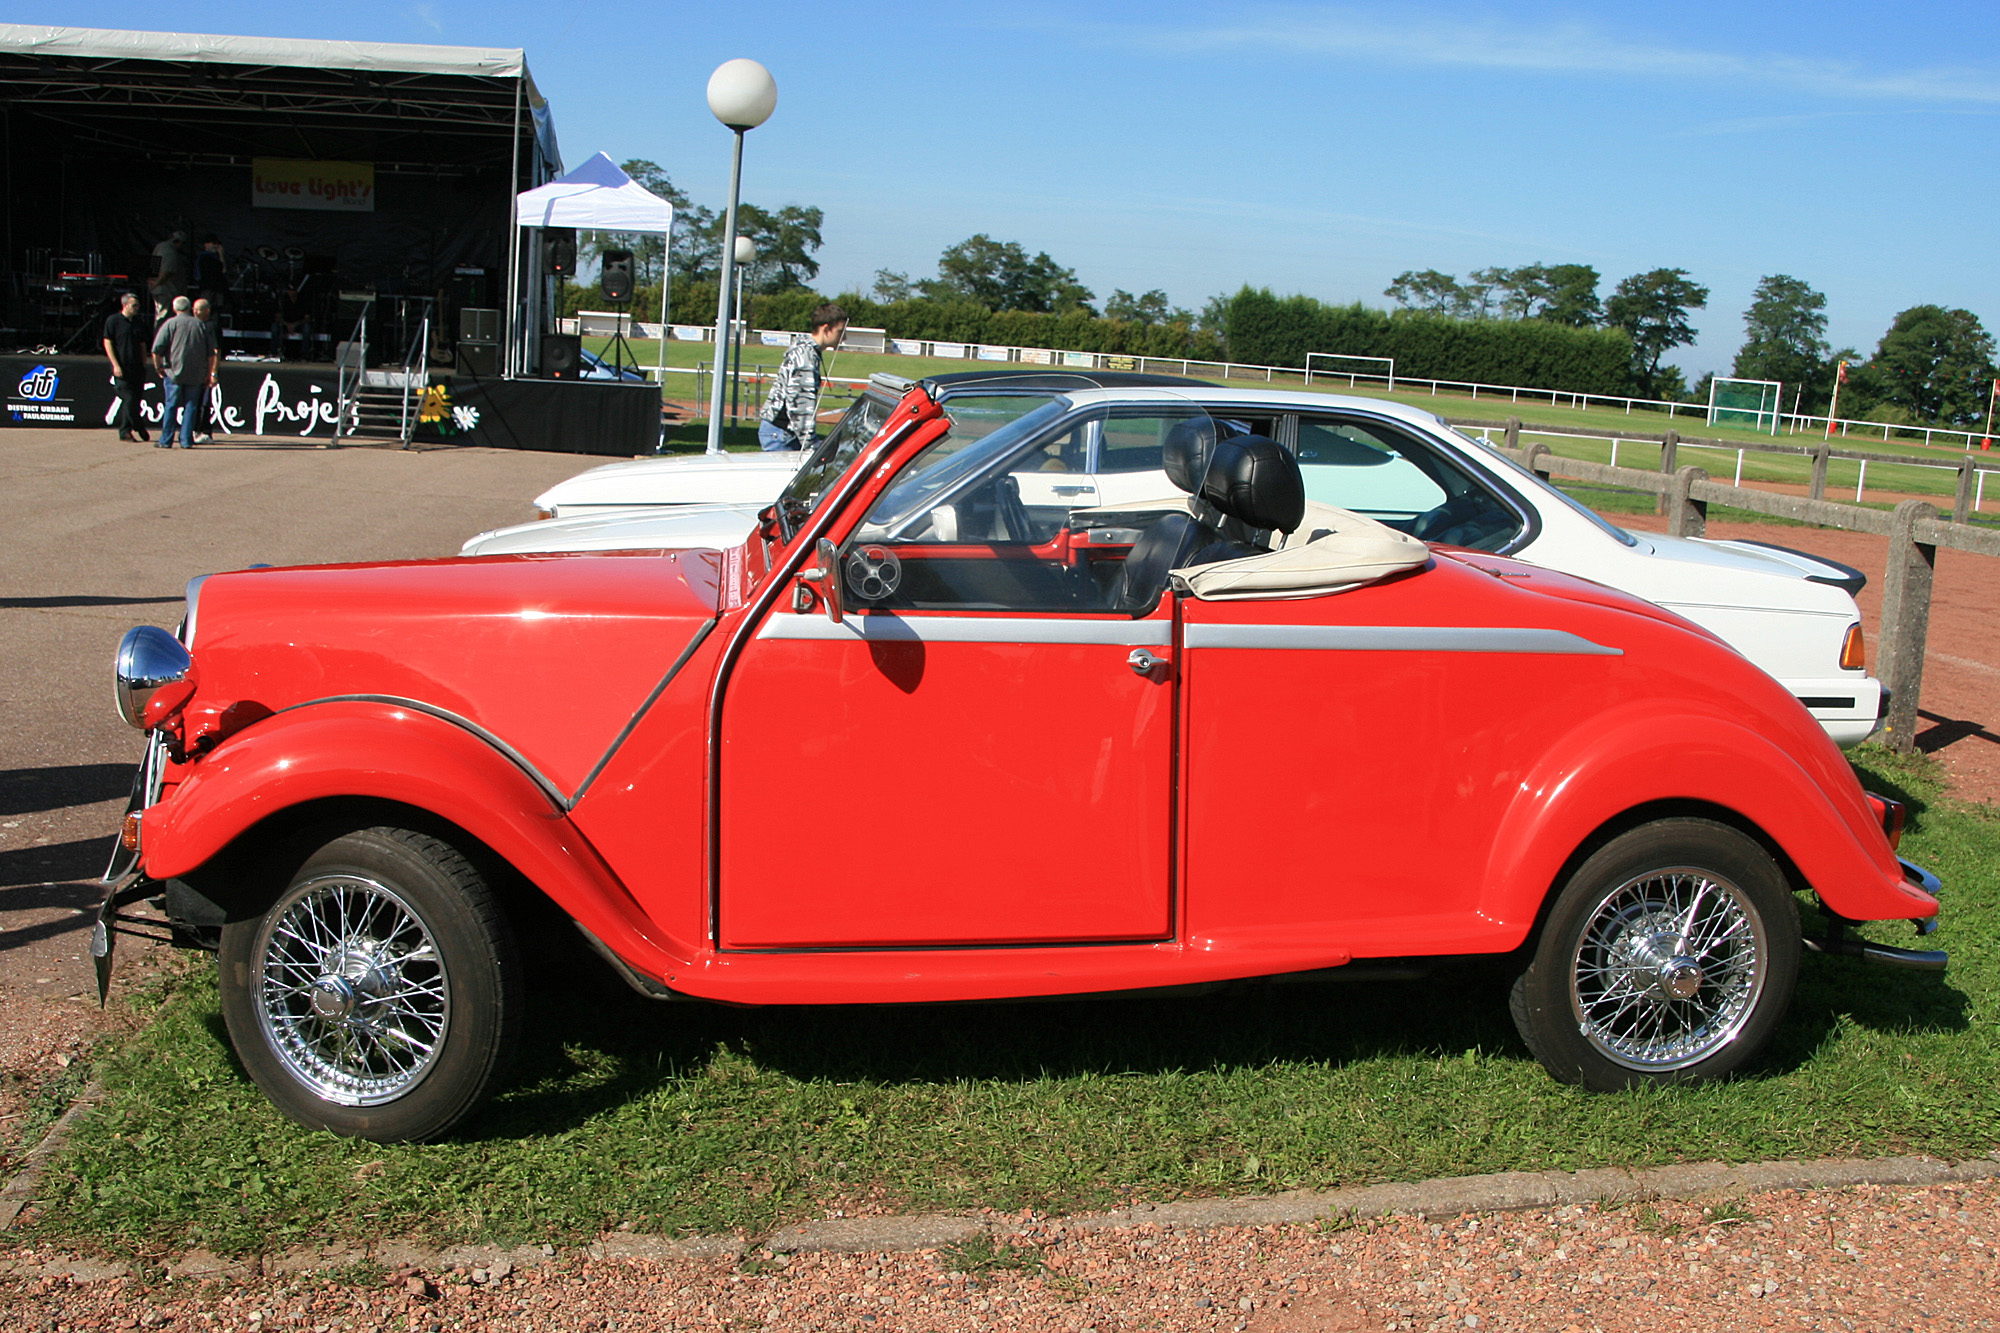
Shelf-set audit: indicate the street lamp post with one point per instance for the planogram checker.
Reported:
(741, 94)
(746, 255)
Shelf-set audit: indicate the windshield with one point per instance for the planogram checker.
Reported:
(1609, 528)
(973, 417)
(974, 443)
(842, 445)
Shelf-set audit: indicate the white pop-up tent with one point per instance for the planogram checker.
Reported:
(597, 196)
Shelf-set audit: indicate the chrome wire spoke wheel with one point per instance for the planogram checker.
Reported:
(351, 990)
(1668, 969)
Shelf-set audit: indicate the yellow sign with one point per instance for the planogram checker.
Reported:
(341, 187)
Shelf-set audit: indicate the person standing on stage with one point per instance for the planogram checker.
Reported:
(790, 419)
(186, 366)
(127, 353)
(200, 406)
(169, 273)
(211, 272)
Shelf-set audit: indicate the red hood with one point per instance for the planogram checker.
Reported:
(552, 654)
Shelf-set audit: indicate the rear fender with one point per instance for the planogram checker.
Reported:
(1597, 774)
(380, 751)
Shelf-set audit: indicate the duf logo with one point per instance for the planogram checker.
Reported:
(39, 384)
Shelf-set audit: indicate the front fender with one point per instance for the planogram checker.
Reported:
(381, 751)
(1617, 764)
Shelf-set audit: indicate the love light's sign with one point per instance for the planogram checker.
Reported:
(342, 187)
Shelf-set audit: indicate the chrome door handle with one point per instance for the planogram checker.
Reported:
(1142, 662)
(1073, 490)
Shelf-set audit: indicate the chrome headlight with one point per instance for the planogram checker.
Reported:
(149, 661)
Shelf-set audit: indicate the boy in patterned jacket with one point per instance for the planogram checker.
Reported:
(790, 416)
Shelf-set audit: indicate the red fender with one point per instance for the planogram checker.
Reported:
(382, 751)
(1618, 763)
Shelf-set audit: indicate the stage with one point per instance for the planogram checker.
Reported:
(301, 399)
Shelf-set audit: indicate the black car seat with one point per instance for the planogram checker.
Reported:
(1243, 487)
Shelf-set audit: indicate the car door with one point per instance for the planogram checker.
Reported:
(970, 755)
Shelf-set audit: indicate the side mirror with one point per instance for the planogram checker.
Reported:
(826, 578)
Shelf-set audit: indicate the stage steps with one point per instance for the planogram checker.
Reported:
(376, 412)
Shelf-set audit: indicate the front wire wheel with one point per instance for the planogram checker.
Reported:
(1670, 957)
(379, 995)
(352, 993)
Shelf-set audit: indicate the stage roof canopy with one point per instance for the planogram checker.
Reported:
(217, 99)
(597, 196)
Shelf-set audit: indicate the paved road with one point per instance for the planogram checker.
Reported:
(100, 536)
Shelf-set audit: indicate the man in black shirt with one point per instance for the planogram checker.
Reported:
(127, 354)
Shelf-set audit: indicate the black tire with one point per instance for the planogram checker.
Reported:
(379, 995)
(1670, 956)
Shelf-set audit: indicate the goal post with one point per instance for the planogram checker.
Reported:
(1733, 402)
(1351, 373)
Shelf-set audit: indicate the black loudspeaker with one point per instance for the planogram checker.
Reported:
(481, 361)
(562, 356)
(559, 252)
(616, 279)
(478, 326)
(478, 342)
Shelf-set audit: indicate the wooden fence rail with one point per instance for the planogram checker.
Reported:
(1915, 530)
(1968, 466)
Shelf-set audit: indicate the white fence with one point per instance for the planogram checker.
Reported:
(1685, 447)
(1795, 423)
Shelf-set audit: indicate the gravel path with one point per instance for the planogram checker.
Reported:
(1869, 1258)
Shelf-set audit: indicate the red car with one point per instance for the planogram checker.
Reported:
(912, 742)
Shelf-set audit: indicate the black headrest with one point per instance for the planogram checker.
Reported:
(1185, 452)
(1252, 478)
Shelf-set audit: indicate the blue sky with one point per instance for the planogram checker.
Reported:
(1316, 148)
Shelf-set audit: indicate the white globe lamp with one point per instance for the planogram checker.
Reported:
(742, 94)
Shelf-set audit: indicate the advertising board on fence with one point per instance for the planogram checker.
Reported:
(956, 350)
(1079, 358)
(1038, 356)
(993, 353)
(339, 187)
(906, 346)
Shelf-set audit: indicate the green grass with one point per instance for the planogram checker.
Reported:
(694, 1119)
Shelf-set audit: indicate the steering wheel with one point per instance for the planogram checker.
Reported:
(872, 572)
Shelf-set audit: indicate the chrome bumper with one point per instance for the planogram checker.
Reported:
(1922, 960)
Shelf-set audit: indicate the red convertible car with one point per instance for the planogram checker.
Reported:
(912, 742)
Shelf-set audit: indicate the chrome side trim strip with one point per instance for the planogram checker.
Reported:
(880, 628)
(1398, 639)
(520, 761)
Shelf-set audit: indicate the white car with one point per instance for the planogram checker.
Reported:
(1791, 613)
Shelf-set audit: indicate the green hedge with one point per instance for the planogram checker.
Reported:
(1278, 331)
(970, 322)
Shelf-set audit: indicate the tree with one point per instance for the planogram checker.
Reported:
(1785, 338)
(1652, 307)
(891, 286)
(1568, 295)
(1428, 289)
(785, 242)
(1152, 308)
(1936, 364)
(1000, 276)
(1560, 293)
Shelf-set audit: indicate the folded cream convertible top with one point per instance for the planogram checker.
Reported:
(1332, 550)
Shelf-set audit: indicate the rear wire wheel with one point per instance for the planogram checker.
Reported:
(379, 995)
(1670, 957)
